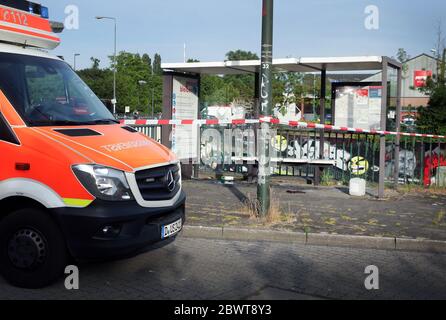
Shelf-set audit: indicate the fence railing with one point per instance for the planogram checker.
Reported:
(422, 159)
(153, 132)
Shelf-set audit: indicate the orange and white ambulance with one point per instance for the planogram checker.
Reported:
(74, 183)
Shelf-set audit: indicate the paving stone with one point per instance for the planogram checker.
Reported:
(219, 269)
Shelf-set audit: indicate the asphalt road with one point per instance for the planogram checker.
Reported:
(210, 269)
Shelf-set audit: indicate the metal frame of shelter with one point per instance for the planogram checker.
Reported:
(308, 65)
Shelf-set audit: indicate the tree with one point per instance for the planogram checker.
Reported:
(240, 88)
(432, 119)
(134, 81)
(147, 61)
(440, 41)
(238, 55)
(95, 62)
(99, 80)
(157, 65)
(403, 57)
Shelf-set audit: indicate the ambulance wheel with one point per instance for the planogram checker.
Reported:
(33, 253)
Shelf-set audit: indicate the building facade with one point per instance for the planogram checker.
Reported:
(415, 74)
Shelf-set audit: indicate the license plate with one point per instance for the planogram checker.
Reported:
(171, 229)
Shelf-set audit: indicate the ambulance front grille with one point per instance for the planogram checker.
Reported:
(159, 184)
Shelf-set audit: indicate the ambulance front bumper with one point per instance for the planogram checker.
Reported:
(113, 230)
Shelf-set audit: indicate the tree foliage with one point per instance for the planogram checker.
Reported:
(157, 65)
(432, 119)
(134, 81)
(223, 90)
(239, 55)
(99, 80)
(403, 57)
(139, 75)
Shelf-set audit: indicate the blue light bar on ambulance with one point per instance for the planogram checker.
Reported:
(26, 23)
(28, 6)
(44, 12)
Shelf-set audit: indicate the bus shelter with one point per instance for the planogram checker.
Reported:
(389, 68)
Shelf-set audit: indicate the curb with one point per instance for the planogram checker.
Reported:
(314, 239)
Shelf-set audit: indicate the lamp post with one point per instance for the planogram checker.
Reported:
(266, 105)
(143, 83)
(74, 62)
(437, 56)
(153, 103)
(114, 101)
(314, 96)
(153, 95)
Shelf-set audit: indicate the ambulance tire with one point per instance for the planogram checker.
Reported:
(33, 252)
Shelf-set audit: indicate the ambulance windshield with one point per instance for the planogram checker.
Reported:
(47, 92)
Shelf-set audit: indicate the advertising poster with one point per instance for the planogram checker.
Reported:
(358, 107)
(420, 78)
(185, 104)
(362, 96)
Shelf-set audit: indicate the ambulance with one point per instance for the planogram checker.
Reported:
(75, 184)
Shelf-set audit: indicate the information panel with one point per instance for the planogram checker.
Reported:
(185, 106)
(358, 106)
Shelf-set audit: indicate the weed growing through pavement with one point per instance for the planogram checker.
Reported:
(327, 179)
(276, 214)
(417, 189)
(439, 218)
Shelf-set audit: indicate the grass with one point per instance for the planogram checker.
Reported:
(327, 179)
(275, 215)
(439, 218)
(372, 222)
(346, 218)
(413, 188)
(250, 208)
(330, 221)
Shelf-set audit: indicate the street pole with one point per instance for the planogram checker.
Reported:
(314, 97)
(74, 63)
(115, 69)
(153, 98)
(143, 83)
(264, 139)
(382, 142)
(153, 102)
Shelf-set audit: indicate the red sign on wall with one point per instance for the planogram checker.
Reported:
(420, 78)
(362, 92)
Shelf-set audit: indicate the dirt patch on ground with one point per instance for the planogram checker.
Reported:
(299, 207)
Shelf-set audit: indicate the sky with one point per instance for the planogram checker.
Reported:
(210, 28)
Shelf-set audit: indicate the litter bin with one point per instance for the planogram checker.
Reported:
(358, 187)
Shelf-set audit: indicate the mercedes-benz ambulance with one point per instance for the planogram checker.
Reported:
(74, 183)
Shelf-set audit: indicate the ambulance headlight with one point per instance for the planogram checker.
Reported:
(104, 183)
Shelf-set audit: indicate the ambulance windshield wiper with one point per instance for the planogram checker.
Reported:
(105, 121)
(49, 123)
(72, 123)
(85, 123)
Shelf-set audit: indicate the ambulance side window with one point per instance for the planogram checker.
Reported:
(11, 89)
(6, 133)
(10, 83)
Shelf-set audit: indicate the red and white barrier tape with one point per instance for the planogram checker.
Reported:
(273, 121)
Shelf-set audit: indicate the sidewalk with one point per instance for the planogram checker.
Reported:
(319, 210)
